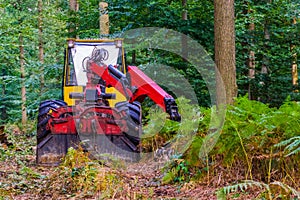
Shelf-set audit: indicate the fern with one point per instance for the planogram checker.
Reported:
(223, 192)
(292, 145)
(287, 188)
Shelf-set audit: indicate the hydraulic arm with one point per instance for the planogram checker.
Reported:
(137, 88)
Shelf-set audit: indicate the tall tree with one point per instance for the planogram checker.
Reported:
(184, 37)
(104, 19)
(225, 47)
(74, 7)
(23, 88)
(41, 46)
(251, 58)
(294, 62)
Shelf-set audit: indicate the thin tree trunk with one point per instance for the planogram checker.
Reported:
(265, 65)
(74, 7)
(251, 61)
(265, 68)
(104, 19)
(3, 94)
(23, 88)
(294, 64)
(184, 37)
(225, 48)
(41, 47)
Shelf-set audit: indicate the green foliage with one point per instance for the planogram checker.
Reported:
(272, 88)
(247, 140)
(18, 172)
(177, 172)
(252, 127)
(21, 18)
(164, 130)
(292, 145)
(276, 19)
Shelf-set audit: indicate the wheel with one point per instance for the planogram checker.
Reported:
(52, 147)
(134, 120)
(45, 106)
(43, 117)
(135, 112)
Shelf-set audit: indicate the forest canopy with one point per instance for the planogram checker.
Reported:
(267, 45)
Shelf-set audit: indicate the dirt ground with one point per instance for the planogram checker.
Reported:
(143, 181)
(22, 179)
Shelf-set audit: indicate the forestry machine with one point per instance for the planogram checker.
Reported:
(101, 106)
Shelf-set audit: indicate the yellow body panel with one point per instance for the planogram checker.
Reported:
(71, 102)
(69, 89)
(119, 96)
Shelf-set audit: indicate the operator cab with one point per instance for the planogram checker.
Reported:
(79, 52)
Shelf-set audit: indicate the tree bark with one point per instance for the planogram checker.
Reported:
(251, 59)
(184, 45)
(41, 47)
(225, 48)
(3, 94)
(74, 7)
(104, 19)
(23, 88)
(294, 63)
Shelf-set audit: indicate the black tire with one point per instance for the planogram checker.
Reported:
(135, 116)
(43, 117)
(45, 106)
(134, 122)
(135, 112)
(137, 104)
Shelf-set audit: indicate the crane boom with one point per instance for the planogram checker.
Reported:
(141, 87)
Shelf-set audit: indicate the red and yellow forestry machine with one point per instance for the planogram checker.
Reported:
(102, 104)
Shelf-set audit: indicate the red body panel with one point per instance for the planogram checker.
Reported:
(147, 87)
(91, 118)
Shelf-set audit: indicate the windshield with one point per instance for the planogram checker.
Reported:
(104, 53)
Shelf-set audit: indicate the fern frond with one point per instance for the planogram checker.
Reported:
(287, 188)
(285, 142)
(292, 145)
(244, 186)
(221, 193)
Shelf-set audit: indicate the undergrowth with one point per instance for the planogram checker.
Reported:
(78, 176)
(257, 143)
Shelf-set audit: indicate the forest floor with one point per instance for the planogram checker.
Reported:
(21, 178)
(142, 182)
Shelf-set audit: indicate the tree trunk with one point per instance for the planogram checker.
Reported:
(3, 94)
(41, 47)
(104, 19)
(225, 48)
(74, 7)
(251, 59)
(184, 37)
(23, 88)
(265, 63)
(294, 64)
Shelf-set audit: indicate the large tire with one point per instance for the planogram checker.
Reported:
(43, 117)
(135, 114)
(52, 147)
(134, 120)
